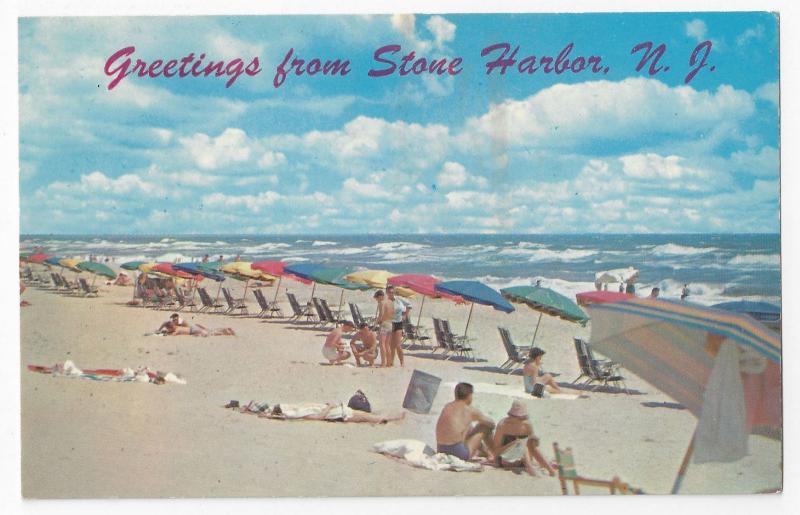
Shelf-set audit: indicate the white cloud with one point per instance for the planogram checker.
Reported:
(654, 166)
(209, 153)
(696, 29)
(271, 159)
(454, 175)
(756, 32)
(98, 182)
(254, 203)
(369, 190)
(442, 31)
(768, 92)
(764, 163)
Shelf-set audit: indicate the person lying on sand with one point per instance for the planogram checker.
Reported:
(175, 320)
(461, 429)
(515, 443)
(531, 376)
(329, 412)
(368, 348)
(333, 350)
(175, 326)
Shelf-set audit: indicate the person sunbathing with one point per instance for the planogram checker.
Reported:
(173, 328)
(368, 348)
(329, 412)
(333, 350)
(463, 431)
(122, 280)
(531, 372)
(515, 443)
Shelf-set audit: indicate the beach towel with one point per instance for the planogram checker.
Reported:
(517, 391)
(140, 375)
(417, 454)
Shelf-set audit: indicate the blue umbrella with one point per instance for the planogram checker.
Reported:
(199, 269)
(475, 292)
(54, 261)
(761, 311)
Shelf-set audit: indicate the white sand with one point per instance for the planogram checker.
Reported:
(83, 439)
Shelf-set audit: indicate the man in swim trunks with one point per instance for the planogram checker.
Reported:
(400, 309)
(384, 321)
(368, 348)
(333, 350)
(461, 428)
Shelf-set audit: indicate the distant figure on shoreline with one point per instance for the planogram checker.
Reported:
(461, 429)
(205, 259)
(685, 292)
(621, 287)
(220, 258)
(630, 288)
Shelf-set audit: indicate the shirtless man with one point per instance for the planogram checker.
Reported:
(172, 324)
(368, 348)
(455, 433)
(530, 373)
(400, 310)
(176, 326)
(384, 321)
(333, 350)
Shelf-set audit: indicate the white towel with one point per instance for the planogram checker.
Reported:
(418, 454)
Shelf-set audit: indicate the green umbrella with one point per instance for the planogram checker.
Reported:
(132, 265)
(96, 269)
(545, 300)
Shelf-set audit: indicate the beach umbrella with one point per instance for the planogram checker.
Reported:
(305, 271)
(39, 257)
(132, 265)
(333, 276)
(277, 269)
(169, 269)
(377, 279)
(242, 271)
(71, 264)
(601, 297)
(764, 312)
(199, 269)
(474, 292)
(24, 255)
(618, 275)
(425, 285)
(96, 269)
(724, 367)
(545, 301)
(53, 261)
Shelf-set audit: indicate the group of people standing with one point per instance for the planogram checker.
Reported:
(392, 312)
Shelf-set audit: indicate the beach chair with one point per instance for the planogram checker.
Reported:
(262, 303)
(185, 300)
(516, 354)
(568, 474)
(85, 289)
(359, 319)
(414, 334)
(454, 344)
(233, 304)
(322, 317)
(441, 341)
(299, 311)
(209, 306)
(331, 316)
(594, 370)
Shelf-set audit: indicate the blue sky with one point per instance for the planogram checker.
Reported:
(622, 152)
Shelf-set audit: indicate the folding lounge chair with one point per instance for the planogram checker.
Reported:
(185, 300)
(568, 474)
(298, 311)
(86, 290)
(356, 314)
(322, 317)
(209, 306)
(413, 333)
(516, 355)
(441, 341)
(599, 371)
(332, 317)
(262, 303)
(234, 304)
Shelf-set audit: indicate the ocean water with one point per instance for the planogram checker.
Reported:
(717, 267)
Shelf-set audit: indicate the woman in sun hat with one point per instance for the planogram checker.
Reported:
(515, 444)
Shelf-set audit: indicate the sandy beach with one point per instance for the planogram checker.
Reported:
(85, 439)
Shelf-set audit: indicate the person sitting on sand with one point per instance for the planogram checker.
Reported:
(531, 372)
(122, 280)
(333, 350)
(329, 412)
(461, 428)
(515, 443)
(368, 348)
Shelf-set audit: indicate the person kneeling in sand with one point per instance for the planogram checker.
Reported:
(333, 350)
(515, 443)
(368, 348)
(531, 373)
(461, 428)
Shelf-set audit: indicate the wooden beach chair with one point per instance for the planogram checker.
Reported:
(568, 474)
(517, 355)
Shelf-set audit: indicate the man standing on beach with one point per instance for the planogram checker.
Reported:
(384, 321)
(333, 350)
(685, 292)
(455, 433)
(654, 293)
(400, 309)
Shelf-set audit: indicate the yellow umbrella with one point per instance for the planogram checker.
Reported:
(377, 279)
(70, 263)
(242, 271)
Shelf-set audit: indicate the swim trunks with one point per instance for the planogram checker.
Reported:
(330, 353)
(459, 450)
(386, 327)
(397, 326)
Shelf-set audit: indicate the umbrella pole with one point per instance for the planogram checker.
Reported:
(537, 329)
(684, 465)
(244, 295)
(219, 289)
(471, 306)
(339, 312)
(277, 289)
(313, 287)
(419, 317)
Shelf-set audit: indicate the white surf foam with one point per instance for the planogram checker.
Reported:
(672, 249)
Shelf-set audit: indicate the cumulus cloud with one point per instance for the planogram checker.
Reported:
(768, 92)
(210, 153)
(752, 33)
(254, 203)
(271, 159)
(441, 30)
(454, 175)
(696, 29)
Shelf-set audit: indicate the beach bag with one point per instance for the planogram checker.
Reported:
(359, 402)
(538, 390)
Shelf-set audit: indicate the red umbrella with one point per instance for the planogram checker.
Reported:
(39, 257)
(167, 268)
(424, 285)
(602, 297)
(276, 268)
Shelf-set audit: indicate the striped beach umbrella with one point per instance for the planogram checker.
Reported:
(681, 348)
